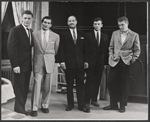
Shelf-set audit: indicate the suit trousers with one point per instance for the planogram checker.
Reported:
(92, 85)
(118, 84)
(21, 87)
(77, 76)
(42, 86)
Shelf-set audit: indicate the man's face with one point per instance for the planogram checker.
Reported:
(97, 25)
(26, 20)
(123, 25)
(46, 24)
(72, 22)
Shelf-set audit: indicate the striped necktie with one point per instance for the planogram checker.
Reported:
(29, 34)
(74, 36)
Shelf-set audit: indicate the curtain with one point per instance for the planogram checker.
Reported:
(34, 7)
(3, 9)
(18, 8)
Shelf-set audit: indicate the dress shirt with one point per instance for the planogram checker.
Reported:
(26, 29)
(27, 32)
(71, 30)
(123, 36)
(96, 35)
(46, 34)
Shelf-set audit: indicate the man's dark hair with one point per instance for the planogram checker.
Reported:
(27, 12)
(124, 18)
(97, 19)
(47, 17)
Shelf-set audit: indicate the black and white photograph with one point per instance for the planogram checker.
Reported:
(74, 60)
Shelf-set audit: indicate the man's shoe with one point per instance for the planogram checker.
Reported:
(34, 113)
(68, 109)
(95, 104)
(27, 113)
(84, 109)
(45, 110)
(122, 109)
(110, 108)
(87, 110)
(87, 105)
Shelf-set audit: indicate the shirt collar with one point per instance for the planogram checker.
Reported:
(25, 27)
(73, 29)
(46, 32)
(97, 31)
(126, 32)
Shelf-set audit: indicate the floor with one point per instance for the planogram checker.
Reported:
(58, 103)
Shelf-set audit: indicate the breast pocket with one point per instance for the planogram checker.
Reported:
(52, 44)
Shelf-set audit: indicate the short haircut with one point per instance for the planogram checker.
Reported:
(27, 12)
(72, 16)
(47, 17)
(124, 18)
(97, 19)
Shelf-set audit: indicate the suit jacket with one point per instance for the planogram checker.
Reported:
(19, 48)
(48, 54)
(129, 50)
(97, 55)
(74, 55)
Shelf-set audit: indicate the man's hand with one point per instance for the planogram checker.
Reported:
(63, 65)
(17, 70)
(132, 61)
(86, 65)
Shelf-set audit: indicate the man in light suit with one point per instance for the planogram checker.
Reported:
(72, 57)
(19, 51)
(124, 49)
(97, 54)
(46, 44)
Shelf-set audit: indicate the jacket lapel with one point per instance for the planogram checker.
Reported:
(128, 36)
(49, 40)
(70, 36)
(25, 34)
(119, 38)
(94, 38)
(39, 39)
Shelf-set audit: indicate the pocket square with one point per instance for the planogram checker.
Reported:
(82, 38)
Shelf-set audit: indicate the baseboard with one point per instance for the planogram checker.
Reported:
(137, 99)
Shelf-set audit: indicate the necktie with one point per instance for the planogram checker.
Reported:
(97, 38)
(74, 36)
(29, 34)
(44, 40)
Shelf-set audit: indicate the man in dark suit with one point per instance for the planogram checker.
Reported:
(72, 57)
(124, 49)
(19, 51)
(97, 53)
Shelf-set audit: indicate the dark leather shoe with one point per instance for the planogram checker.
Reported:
(87, 106)
(27, 113)
(87, 110)
(68, 109)
(95, 104)
(122, 109)
(84, 109)
(45, 110)
(34, 113)
(110, 108)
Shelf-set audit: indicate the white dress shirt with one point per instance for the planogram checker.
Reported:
(71, 30)
(27, 32)
(123, 36)
(46, 33)
(96, 35)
